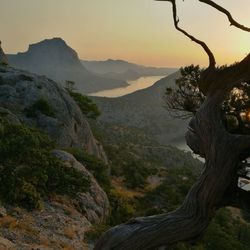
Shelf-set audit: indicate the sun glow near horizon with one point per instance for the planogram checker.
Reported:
(139, 31)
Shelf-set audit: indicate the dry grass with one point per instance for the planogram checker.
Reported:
(123, 191)
(70, 211)
(70, 232)
(8, 221)
(68, 248)
(23, 225)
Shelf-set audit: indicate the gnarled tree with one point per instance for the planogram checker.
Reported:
(207, 136)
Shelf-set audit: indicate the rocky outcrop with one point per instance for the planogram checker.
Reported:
(94, 203)
(55, 59)
(62, 221)
(3, 57)
(40, 102)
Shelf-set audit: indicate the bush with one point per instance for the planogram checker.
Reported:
(136, 173)
(40, 106)
(96, 166)
(122, 208)
(29, 172)
(170, 193)
(87, 106)
(96, 231)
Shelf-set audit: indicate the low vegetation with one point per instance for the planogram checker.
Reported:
(29, 172)
(97, 167)
(40, 106)
(87, 106)
(134, 197)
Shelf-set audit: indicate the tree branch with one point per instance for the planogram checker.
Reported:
(211, 57)
(226, 12)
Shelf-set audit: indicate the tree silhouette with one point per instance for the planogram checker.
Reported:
(224, 153)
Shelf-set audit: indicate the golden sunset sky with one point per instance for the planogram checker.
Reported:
(139, 31)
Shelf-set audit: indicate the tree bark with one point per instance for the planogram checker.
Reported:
(222, 152)
(206, 136)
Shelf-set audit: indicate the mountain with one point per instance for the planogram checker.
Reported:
(144, 110)
(121, 67)
(128, 75)
(55, 59)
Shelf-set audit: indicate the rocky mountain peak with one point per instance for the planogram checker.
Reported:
(3, 57)
(55, 51)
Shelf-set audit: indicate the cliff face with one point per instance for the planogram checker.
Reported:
(3, 57)
(40, 102)
(55, 59)
(37, 101)
(61, 223)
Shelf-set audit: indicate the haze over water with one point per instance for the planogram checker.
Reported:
(140, 83)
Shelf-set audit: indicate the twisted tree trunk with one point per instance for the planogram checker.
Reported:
(206, 136)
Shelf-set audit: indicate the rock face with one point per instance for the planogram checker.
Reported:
(3, 57)
(55, 59)
(61, 223)
(94, 204)
(40, 102)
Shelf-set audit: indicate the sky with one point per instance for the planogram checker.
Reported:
(139, 31)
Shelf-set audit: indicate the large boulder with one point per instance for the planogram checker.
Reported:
(93, 204)
(40, 102)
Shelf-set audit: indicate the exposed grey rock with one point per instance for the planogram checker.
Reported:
(94, 204)
(6, 244)
(3, 57)
(5, 113)
(19, 90)
(61, 223)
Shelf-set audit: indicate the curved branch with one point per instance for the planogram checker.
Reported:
(227, 13)
(211, 57)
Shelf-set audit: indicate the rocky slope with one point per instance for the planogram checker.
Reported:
(40, 102)
(55, 59)
(3, 57)
(62, 220)
(144, 110)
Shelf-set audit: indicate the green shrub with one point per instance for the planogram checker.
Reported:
(87, 106)
(96, 231)
(4, 64)
(170, 193)
(29, 172)
(40, 106)
(136, 173)
(122, 208)
(23, 77)
(97, 167)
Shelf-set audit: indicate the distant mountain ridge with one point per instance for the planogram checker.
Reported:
(120, 69)
(55, 59)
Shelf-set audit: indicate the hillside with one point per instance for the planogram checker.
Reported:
(44, 190)
(120, 69)
(55, 59)
(144, 109)
(59, 189)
